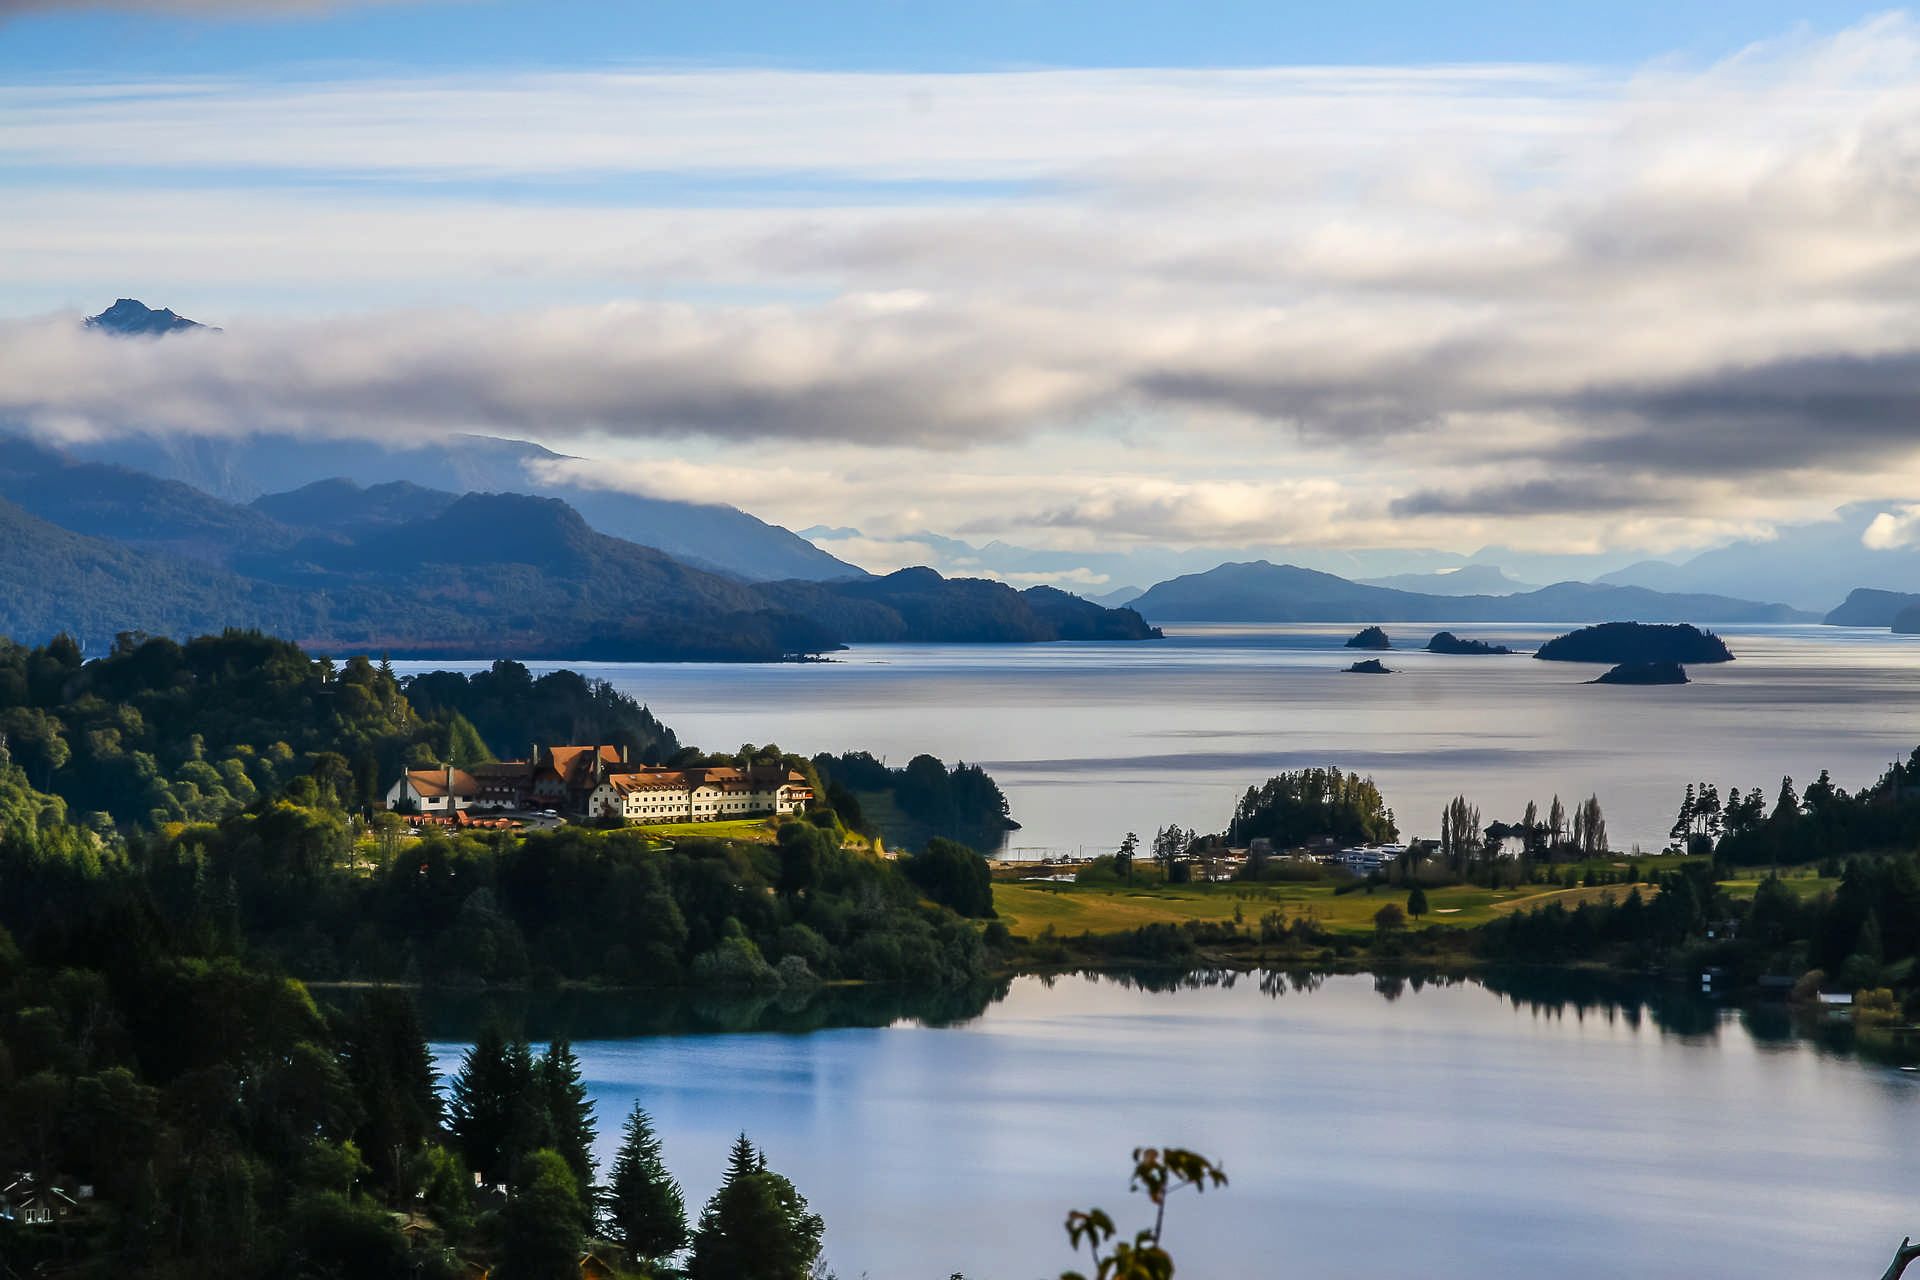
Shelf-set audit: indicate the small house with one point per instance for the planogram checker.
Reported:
(32, 1202)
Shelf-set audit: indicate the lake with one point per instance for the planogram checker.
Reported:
(1090, 741)
(1371, 1127)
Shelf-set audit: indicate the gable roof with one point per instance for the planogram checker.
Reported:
(433, 782)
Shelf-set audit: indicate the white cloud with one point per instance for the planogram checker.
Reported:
(1347, 306)
(1892, 530)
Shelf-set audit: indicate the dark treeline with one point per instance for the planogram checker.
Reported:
(1789, 827)
(1864, 935)
(275, 882)
(511, 711)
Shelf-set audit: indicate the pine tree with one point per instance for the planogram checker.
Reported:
(756, 1227)
(647, 1213)
(480, 1105)
(570, 1126)
(540, 1227)
(1416, 902)
(385, 1055)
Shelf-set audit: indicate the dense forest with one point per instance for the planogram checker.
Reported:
(157, 732)
(227, 785)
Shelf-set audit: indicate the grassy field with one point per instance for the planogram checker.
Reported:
(1071, 909)
(745, 830)
(1804, 885)
(750, 830)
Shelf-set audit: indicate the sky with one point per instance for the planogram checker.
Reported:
(1613, 280)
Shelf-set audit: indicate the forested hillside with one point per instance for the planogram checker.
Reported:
(96, 549)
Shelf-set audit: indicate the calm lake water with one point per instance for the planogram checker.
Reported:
(1090, 741)
(1372, 1128)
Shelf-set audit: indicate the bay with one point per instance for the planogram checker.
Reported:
(1090, 741)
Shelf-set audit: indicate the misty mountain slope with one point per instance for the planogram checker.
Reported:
(339, 504)
(1810, 566)
(722, 538)
(1468, 580)
(102, 500)
(1263, 592)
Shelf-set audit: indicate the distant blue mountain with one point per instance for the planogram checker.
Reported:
(1263, 592)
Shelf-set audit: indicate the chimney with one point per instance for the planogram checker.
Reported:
(449, 785)
(623, 753)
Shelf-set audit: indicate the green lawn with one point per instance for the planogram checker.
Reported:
(752, 830)
(1804, 886)
(1072, 909)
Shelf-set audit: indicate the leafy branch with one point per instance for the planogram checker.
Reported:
(1159, 1172)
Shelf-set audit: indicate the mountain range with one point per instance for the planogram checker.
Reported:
(95, 548)
(1265, 592)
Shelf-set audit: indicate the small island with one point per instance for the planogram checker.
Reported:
(1645, 673)
(1370, 667)
(1907, 621)
(1371, 638)
(1447, 642)
(1637, 643)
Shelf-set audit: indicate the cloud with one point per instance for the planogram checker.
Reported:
(1893, 530)
(1317, 304)
(1585, 496)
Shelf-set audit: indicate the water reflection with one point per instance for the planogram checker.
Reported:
(1395, 1124)
(1673, 1009)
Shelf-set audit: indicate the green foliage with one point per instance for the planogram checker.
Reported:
(962, 803)
(1307, 804)
(1159, 1173)
(569, 1112)
(540, 1227)
(756, 1226)
(645, 1209)
(507, 710)
(954, 876)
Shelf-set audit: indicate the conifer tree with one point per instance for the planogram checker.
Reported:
(385, 1055)
(480, 1105)
(756, 1226)
(563, 1096)
(540, 1227)
(644, 1206)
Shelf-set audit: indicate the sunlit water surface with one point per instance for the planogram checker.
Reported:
(1090, 741)
(1447, 1132)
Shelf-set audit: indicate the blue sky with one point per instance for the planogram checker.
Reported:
(1591, 280)
(878, 35)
